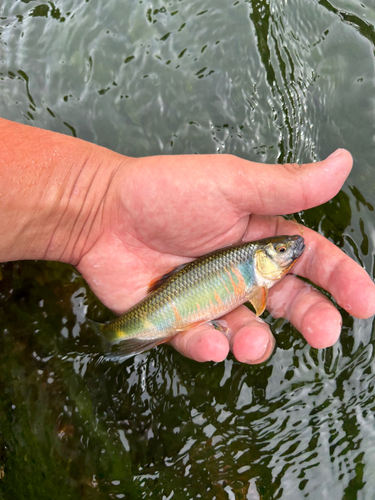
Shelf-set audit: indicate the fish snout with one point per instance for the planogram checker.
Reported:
(299, 246)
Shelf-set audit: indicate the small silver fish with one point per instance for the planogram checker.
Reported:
(204, 290)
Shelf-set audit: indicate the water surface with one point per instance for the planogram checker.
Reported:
(267, 80)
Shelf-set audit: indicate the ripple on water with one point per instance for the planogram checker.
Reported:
(267, 80)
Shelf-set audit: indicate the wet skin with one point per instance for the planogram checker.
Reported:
(124, 221)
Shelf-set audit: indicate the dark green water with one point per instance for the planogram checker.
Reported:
(268, 80)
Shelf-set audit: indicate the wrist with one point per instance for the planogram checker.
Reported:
(53, 189)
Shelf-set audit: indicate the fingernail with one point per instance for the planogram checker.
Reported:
(335, 153)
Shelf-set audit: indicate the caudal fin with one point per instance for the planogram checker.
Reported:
(127, 347)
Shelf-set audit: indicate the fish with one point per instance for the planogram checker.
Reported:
(203, 290)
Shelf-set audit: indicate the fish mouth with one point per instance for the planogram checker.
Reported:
(299, 246)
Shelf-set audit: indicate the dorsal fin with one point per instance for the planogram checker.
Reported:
(160, 280)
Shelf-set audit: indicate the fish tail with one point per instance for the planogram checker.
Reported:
(126, 347)
(99, 328)
(95, 326)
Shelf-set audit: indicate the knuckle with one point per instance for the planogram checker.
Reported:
(292, 167)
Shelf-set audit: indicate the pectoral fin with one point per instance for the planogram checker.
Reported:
(258, 299)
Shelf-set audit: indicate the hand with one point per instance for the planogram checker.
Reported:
(125, 221)
(163, 211)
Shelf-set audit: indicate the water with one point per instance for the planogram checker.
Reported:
(270, 81)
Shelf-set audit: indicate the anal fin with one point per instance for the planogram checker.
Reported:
(132, 346)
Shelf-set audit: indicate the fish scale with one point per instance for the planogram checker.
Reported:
(199, 291)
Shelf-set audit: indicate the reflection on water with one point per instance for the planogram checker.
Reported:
(266, 80)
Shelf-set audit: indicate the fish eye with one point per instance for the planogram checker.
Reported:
(281, 248)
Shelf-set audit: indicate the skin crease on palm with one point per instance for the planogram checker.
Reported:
(124, 221)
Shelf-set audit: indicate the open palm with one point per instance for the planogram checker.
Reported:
(159, 212)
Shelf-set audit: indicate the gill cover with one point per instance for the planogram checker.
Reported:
(274, 259)
(267, 266)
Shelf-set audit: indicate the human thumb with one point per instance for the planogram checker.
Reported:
(284, 189)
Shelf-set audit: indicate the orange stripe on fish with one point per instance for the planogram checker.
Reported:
(215, 308)
(223, 282)
(177, 315)
(240, 287)
(218, 299)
